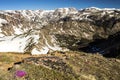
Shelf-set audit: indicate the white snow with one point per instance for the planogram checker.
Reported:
(111, 15)
(50, 47)
(44, 50)
(109, 9)
(2, 21)
(18, 44)
(2, 35)
(25, 14)
(44, 12)
(53, 48)
(15, 45)
(0, 30)
(103, 13)
(95, 8)
(10, 11)
(17, 30)
(66, 11)
(31, 14)
(36, 38)
(102, 8)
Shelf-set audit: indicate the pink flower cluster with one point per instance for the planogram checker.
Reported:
(20, 73)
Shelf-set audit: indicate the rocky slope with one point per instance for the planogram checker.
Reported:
(63, 29)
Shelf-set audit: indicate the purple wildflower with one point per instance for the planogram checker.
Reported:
(20, 73)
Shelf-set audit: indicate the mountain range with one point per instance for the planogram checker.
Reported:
(63, 29)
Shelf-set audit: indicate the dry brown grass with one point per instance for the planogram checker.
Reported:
(82, 66)
(8, 59)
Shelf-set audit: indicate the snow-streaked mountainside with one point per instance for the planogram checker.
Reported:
(43, 31)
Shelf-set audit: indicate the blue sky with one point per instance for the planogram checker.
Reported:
(53, 4)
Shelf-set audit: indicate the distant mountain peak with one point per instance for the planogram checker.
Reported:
(98, 9)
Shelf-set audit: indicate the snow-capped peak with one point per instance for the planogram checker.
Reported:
(66, 10)
(93, 8)
(99, 9)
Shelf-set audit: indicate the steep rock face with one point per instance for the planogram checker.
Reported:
(41, 31)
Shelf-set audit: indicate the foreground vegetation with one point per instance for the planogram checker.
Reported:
(59, 66)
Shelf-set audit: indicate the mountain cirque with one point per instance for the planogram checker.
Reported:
(63, 29)
(62, 33)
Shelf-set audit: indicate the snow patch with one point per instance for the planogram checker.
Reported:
(10, 11)
(2, 35)
(16, 44)
(111, 15)
(2, 21)
(44, 50)
(18, 31)
(103, 13)
(54, 48)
